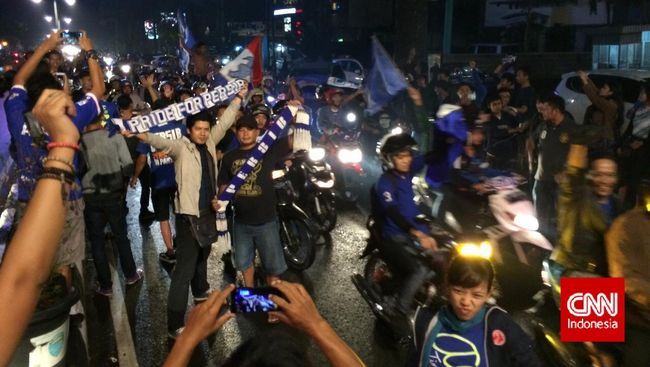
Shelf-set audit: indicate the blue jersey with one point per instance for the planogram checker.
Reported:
(394, 189)
(28, 156)
(163, 175)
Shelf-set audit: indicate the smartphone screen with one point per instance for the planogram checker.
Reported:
(61, 77)
(252, 300)
(70, 38)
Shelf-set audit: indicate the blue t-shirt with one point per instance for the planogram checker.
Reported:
(393, 189)
(452, 348)
(163, 175)
(29, 157)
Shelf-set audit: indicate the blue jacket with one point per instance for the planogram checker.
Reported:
(505, 343)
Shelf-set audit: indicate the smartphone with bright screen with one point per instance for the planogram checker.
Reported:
(252, 300)
(70, 38)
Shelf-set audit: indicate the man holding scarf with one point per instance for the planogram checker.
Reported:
(195, 165)
(255, 216)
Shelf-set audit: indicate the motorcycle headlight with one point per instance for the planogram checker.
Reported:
(526, 221)
(316, 154)
(270, 99)
(350, 155)
(351, 117)
(323, 184)
(397, 130)
(484, 249)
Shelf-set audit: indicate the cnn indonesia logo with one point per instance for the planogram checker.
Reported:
(593, 310)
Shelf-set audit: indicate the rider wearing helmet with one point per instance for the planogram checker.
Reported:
(396, 213)
(331, 116)
(262, 114)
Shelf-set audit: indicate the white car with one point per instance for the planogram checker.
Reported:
(576, 102)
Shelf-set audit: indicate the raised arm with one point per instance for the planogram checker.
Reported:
(147, 82)
(96, 74)
(218, 131)
(591, 91)
(30, 65)
(22, 274)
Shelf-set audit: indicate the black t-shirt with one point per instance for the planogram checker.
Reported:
(255, 201)
(525, 97)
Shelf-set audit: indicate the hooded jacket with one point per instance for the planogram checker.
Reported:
(504, 342)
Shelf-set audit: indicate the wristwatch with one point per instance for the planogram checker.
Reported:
(92, 54)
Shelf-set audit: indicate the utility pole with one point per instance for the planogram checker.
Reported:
(448, 25)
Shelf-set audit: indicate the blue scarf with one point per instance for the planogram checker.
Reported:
(180, 110)
(279, 124)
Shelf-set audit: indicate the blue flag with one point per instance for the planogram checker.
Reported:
(188, 39)
(384, 81)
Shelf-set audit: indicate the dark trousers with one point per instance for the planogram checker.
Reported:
(191, 269)
(102, 209)
(546, 195)
(397, 254)
(145, 184)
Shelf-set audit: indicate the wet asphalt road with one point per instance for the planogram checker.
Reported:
(328, 281)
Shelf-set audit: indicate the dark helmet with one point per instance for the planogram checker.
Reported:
(125, 82)
(261, 108)
(278, 106)
(394, 144)
(199, 85)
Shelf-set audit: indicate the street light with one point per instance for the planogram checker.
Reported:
(48, 18)
(57, 22)
(67, 20)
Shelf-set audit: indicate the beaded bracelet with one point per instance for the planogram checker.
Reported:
(55, 159)
(69, 176)
(60, 144)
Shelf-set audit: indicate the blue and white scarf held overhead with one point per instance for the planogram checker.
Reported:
(181, 110)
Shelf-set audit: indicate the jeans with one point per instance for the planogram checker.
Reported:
(265, 238)
(191, 269)
(102, 209)
(545, 194)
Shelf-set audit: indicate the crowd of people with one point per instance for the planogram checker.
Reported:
(74, 170)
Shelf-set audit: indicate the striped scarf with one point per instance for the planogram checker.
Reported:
(280, 123)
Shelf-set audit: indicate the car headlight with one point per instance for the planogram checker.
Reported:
(350, 155)
(484, 249)
(351, 117)
(397, 130)
(316, 154)
(526, 221)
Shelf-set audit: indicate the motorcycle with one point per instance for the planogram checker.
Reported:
(379, 284)
(497, 208)
(314, 181)
(296, 228)
(345, 158)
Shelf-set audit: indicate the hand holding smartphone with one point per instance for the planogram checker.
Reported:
(70, 38)
(253, 300)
